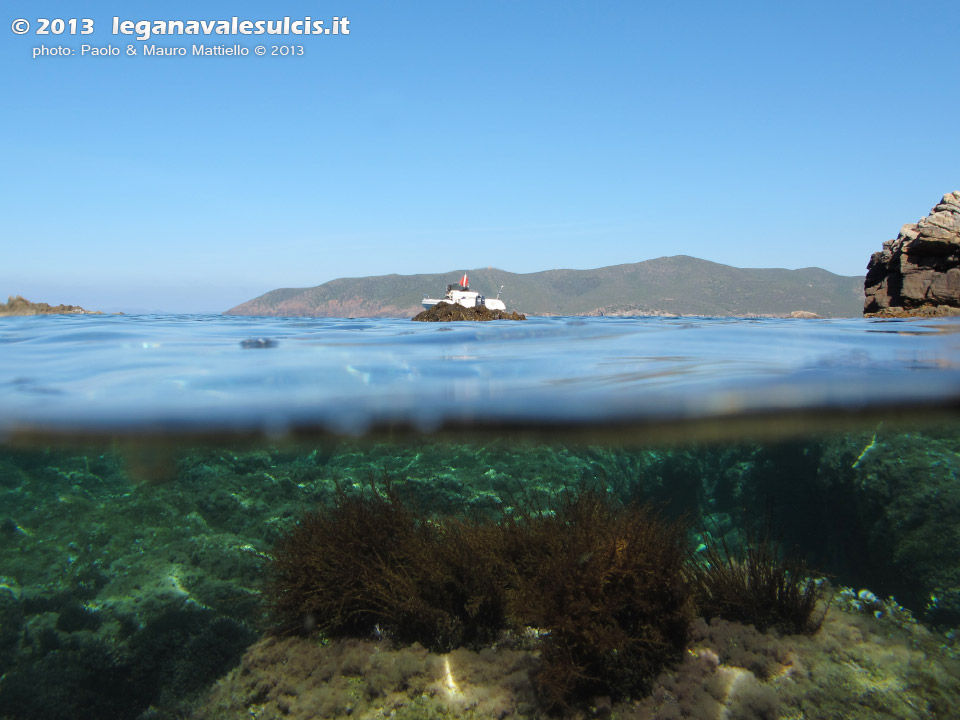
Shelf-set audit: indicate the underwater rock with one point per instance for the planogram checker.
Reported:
(181, 651)
(855, 667)
(18, 305)
(258, 343)
(86, 676)
(918, 273)
(299, 679)
(445, 312)
(11, 625)
(81, 678)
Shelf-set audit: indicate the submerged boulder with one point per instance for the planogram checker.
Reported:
(918, 273)
(446, 312)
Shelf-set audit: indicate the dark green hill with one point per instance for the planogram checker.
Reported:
(678, 285)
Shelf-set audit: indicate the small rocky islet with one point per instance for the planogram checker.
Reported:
(451, 312)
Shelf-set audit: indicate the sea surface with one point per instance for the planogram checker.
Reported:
(344, 376)
(150, 464)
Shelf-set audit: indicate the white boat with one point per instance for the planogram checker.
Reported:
(462, 295)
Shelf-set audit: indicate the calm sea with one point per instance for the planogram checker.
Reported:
(148, 464)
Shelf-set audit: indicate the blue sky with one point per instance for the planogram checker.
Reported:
(441, 136)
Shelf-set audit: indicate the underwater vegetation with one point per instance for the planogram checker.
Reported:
(608, 589)
(371, 565)
(100, 561)
(757, 587)
(604, 582)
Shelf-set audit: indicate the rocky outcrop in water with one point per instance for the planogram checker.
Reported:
(447, 312)
(17, 305)
(918, 273)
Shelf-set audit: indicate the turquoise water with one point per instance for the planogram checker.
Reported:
(149, 464)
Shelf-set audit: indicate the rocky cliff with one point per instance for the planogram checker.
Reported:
(918, 273)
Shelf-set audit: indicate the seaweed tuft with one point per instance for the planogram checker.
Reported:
(371, 566)
(606, 586)
(756, 586)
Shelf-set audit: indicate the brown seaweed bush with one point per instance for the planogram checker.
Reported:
(604, 586)
(370, 565)
(757, 587)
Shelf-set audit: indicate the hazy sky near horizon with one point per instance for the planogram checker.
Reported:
(443, 136)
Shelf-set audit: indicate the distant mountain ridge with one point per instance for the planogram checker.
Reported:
(677, 285)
